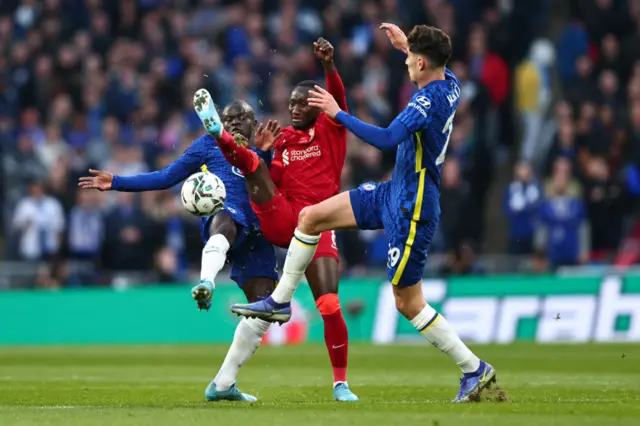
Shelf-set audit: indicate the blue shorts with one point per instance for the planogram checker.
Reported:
(373, 207)
(251, 255)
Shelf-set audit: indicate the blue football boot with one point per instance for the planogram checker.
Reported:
(266, 309)
(341, 392)
(207, 112)
(472, 384)
(231, 394)
(202, 294)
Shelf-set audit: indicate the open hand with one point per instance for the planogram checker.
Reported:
(322, 99)
(266, 136)
(323, 50)
(396, 36)
(100, 180)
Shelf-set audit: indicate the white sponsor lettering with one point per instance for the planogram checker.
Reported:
(514, 309)
(563, 318)
(566, 319)
(473, 318)
(613, 304)
(419, 108)
(300, 154)
(453, 97)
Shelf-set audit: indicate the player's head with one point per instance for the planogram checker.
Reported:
(302, 114)
(429, 51)
(238, 117)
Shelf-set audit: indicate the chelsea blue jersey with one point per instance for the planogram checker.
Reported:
(416, 176)
(205, 153)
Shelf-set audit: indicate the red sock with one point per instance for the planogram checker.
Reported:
(336, 336)
(239, 156)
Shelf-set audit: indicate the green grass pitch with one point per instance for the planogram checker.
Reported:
(398, 385)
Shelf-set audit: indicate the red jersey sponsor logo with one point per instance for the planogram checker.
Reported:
(300, 154)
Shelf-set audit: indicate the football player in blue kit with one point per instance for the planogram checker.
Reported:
(232, 234)
(407, 207)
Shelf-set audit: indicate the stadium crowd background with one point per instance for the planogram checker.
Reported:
(542, 163)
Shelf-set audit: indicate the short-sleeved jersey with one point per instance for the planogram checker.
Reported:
(416, 176)
(311, 161)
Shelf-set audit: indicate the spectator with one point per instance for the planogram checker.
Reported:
(39, 221)
(110, 85)
(582, 87)
(573, 44)
(564, 146)
(564, 231)
(86, 227)
(126, 235)
(454, 198)
(462, 261)
(521, 204)
(533, 93)
(604, 201)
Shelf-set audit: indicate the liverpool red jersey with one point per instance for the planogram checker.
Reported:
(307, 164)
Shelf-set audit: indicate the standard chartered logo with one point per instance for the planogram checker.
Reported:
(606, 315)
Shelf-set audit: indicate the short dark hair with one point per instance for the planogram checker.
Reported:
(430, 42)
(308, 84)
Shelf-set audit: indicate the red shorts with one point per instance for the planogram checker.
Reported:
(279, 219)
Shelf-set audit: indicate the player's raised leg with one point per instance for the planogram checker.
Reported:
(239, 156)
(332, 214)
(223, 232)
(246, 340)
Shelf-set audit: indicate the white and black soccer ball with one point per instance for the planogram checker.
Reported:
(203, 194)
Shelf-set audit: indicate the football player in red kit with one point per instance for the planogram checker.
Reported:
(306, 169)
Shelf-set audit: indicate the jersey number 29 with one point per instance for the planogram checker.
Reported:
(448, 128)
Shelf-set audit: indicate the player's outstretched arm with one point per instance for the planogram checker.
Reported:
(171, 175)
(324, 52)
(379, 137)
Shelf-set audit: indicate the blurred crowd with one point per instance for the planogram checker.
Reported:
(574, 198)
(108, 85)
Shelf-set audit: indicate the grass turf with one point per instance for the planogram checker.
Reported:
(398, 385)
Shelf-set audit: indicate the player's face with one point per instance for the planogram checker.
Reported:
(238, 118)
(414, 64)
(302, 114)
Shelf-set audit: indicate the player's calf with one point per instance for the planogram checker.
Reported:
(477, 375)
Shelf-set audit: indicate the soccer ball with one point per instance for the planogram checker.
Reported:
(203, 194)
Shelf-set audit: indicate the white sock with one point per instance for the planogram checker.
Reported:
(214, 255)
(439, 332)
(246, 341)
(301, 251)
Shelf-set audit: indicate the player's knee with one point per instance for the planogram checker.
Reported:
(224, 225)
(328, 304)
(308, 220)
(217, 243)
(409, 307)
(256, 289)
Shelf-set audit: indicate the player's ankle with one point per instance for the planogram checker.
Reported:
(470, 365)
